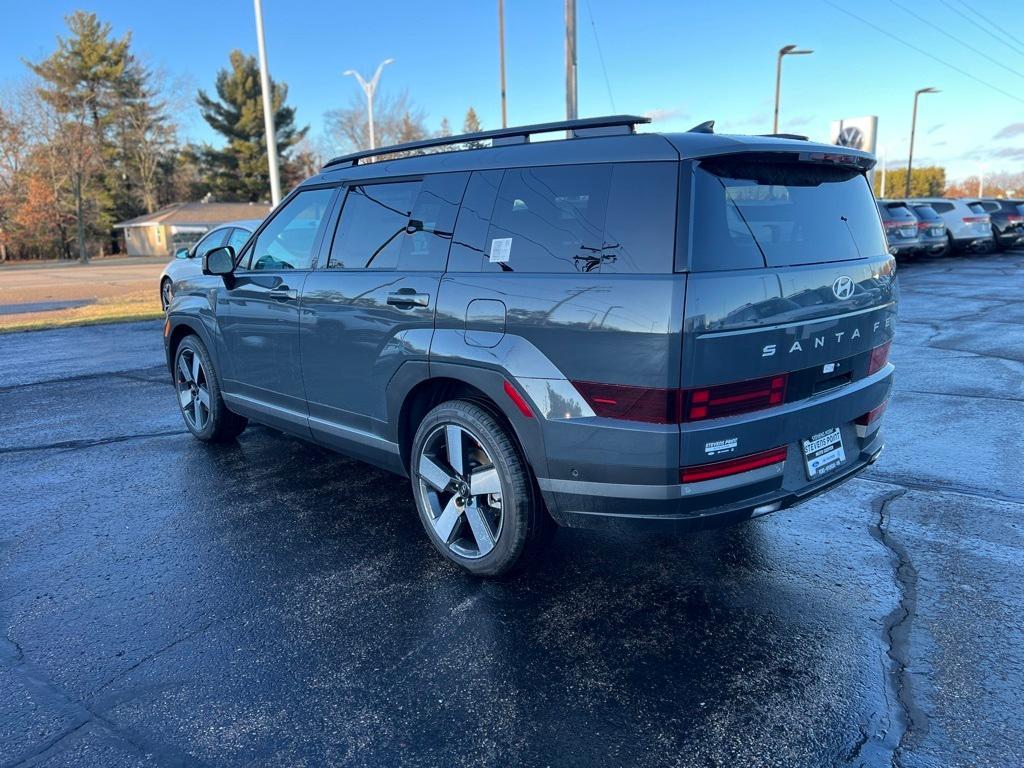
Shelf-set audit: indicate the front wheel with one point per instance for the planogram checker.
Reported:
(474, 492)
(199, 397)
(166, 293)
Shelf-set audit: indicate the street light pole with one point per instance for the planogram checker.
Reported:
(913, 130)
(570, 60)
(981, 180)
(369, 88)
(786, 50)
(268, 108)
(882, 190)
(501, 63)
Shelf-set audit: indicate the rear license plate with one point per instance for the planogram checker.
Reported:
(823, 452)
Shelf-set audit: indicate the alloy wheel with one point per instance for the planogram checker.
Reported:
(166, 293)
(460, 486)
(193, 391)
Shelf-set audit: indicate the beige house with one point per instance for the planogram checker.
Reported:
(179, 225)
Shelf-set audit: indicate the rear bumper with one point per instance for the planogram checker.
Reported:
(681, 508)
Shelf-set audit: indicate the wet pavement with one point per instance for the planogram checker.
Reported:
(168, 603)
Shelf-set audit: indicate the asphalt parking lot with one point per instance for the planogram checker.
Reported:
(168, 603)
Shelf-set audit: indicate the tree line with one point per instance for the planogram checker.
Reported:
(94, 137)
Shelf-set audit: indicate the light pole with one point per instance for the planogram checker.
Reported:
(570, 60)
(501, 60)
(268, 108)
(786, 50)
(882, 190)
(981, 180)
(368, 89)
(913, 130)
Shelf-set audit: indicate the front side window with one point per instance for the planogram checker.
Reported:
(210, 241)
(238, 238)
(288, 241)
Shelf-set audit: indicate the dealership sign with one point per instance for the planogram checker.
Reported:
(857, 133)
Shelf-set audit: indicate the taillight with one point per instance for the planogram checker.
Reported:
(519, 400)
(732, 466)
(730, 399)
(976, 219)
(879, 357)
(616, 401)
(672, 406)
(1014, 219)
(892, 223)
(873, 415)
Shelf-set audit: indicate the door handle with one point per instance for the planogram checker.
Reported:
(284, 293)
(407, 299)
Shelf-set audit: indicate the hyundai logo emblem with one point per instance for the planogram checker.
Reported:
(843, 287)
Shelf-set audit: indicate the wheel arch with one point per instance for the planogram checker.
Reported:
(459, 382)
(178, 329)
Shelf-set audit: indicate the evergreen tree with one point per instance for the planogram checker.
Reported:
(471, 125)
(446, 127)
(239, 170)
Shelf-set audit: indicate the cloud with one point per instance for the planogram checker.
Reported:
(796, 122)
(1009, 153)
(669, 113)
(1011, 130)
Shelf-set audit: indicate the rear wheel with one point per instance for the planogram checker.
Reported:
(199, 396)
(474, 492)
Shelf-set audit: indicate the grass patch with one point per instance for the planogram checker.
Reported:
(137, 306)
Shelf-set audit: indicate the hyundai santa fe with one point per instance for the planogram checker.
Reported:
(610, 330)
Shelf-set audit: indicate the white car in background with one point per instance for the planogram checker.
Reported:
(968, 225)
(188, 262)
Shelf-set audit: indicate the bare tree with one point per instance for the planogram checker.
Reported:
(396, 119)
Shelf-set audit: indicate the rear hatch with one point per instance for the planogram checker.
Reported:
(930, 225)
(977, 220)
(790, 281)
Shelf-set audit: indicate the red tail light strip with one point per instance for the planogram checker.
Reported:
(873, 415)
(732, 466)
(879, 357)
(519, 400)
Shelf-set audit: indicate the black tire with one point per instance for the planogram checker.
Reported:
(212, 422)
(524, 521)
(166, 292)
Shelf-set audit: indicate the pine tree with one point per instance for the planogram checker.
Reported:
(471, 125)
(239, 170)
(446, 127)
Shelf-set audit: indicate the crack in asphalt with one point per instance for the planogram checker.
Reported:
(81, 715)
(74, 445)
(932, 486)
(912, 720)
(128, 373)
(961, 394)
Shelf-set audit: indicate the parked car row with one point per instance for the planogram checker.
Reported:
(934, 226)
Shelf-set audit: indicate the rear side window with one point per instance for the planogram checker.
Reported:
(581, 218)
(551, 219)
(404, 225)
(977, 208)
(752, 213)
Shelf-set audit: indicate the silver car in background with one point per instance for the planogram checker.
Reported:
(968, 225)
(188, 262)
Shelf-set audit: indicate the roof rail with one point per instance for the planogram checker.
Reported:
(590, 126)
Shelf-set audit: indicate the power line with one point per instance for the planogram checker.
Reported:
(923, 52)
(956, 39)
(1003, 37)
(600, 56)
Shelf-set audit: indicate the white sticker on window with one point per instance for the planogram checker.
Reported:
(501, 247)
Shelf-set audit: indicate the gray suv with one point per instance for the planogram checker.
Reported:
(614, 330)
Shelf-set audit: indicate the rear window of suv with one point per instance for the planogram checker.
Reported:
(927, 213)
(897, 211)
(753, 213)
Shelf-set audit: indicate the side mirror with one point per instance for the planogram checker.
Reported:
(219, 261)
(181, 253)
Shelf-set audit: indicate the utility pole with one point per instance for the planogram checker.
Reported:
(786, 50)
(369, 88)
(981, 180)
(882, 190)
(570, 60)
(268, 108)
(913, 130)
(501, 65)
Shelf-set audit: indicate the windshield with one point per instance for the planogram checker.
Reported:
(753, 212)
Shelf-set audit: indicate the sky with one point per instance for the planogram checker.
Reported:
(681, 61)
